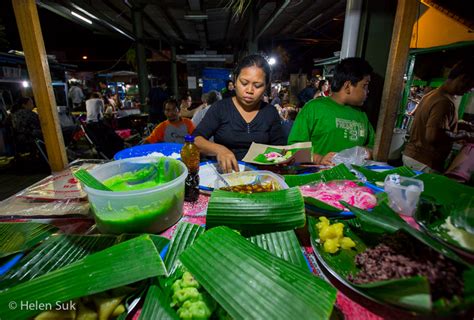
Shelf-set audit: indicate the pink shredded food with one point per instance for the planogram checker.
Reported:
(334, 191)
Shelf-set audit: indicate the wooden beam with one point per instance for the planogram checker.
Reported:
(392, 90)
(31, 37)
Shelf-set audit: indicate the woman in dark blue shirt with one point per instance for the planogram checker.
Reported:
(237, 122)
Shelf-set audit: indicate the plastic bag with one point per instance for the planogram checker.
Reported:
(341, 190)
(354, 155)
(59, 194)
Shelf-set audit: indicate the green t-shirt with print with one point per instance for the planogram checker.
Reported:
(331, 127)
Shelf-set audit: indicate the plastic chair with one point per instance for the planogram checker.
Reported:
(92, 144)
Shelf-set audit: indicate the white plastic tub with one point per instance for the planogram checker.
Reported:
(403, 193)
(149, 210)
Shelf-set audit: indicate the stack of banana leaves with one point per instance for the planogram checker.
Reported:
(199, 274)
(393, 264)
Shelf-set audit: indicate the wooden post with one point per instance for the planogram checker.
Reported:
(393, 86)
(31, 37)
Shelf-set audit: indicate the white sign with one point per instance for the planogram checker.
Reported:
(191, 82)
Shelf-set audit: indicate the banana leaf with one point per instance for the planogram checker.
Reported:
(411, 293)
(157, 302)
(122, 264)
(157, 305)
(339, 172)
(383, 217)
(61, 250)
(433, 217)
(257, 212)
(374, 176)
(20, 236)
(469, 283)
(184, 235)
(251, 283)
(442, 190)
(462, 214)
(284, 245)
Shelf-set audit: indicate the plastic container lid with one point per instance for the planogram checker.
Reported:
(403, 193)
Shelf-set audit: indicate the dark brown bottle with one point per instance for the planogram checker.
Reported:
(190, 157)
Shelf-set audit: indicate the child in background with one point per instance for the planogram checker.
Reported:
(174, 129)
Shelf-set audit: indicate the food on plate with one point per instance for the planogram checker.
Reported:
(191, 300)
(252, 188)
(461, 236)
(101, 306)
(399, 256)
(277, 156)
(332, 236)
(335, 191)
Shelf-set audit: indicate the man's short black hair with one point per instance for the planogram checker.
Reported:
(463, 67)
(350, 69)
(171, 101)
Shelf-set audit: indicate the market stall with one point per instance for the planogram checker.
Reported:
(255, 244)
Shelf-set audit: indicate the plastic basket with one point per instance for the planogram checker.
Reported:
(165, 148)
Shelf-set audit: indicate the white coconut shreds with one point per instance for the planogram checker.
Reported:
(174, 155)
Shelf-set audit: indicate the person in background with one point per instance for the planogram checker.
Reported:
(203, 105)
(185, 107)
(229, 90)
(323, 88)
(435, 127)
(237, 122)
(278, 100)
(25, 123)
(337, 122)
(156, 98)
(288, 118)
(94, 108)
(174, 129)
(308, 93)
(76, 95)
(212, 97)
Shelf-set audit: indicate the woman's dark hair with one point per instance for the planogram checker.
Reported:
(19, 104)
(95, 95)
(212, 97)
(350, 69)
(172, 101)
(254, 60)
(227, 83)
(321, 84)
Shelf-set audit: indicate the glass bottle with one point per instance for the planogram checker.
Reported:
(190, 157)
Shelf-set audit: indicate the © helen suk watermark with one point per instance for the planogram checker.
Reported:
(42, 306)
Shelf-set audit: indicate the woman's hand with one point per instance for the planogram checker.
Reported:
(324, 160)
(327, 159)
(227, 161)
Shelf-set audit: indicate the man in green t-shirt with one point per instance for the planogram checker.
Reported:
(336, 123)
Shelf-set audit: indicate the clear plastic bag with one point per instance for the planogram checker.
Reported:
(354, 155)
(59, 194)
